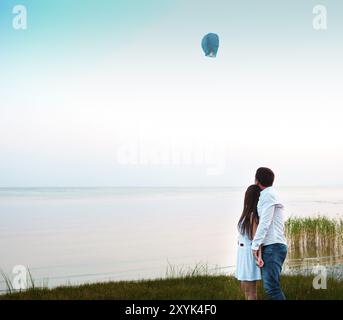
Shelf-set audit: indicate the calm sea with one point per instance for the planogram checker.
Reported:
(73, 235)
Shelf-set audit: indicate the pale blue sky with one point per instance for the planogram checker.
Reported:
(112, 92)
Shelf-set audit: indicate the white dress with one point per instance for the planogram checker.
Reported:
(246, 268)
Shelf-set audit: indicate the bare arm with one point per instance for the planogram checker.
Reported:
(254, 229)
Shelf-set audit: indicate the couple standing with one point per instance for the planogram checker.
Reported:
(262, 246)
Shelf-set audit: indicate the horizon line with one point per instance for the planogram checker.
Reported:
(162, 186)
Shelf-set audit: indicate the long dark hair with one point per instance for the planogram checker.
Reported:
(249, 214)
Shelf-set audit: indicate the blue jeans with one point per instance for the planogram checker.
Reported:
(273, 256)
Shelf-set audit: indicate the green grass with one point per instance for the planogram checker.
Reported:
(204, 287)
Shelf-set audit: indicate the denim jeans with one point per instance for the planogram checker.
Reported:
(273, 256)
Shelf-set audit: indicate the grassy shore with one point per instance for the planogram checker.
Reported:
(196, 287)
(317, 236)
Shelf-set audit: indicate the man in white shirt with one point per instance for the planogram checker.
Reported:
(270, 234)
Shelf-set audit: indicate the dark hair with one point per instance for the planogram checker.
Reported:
(265, 177)
(249, 214)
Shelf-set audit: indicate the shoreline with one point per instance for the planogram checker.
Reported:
(202, 287)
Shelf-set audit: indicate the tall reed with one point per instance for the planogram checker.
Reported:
(314, 236)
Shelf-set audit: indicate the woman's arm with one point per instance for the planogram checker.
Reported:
(254, 227)
(259, 260)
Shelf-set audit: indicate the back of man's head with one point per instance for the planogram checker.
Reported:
(265, 177)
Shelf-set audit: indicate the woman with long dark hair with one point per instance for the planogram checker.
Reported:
(247, 267)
